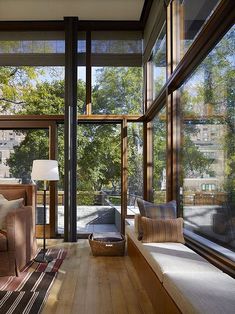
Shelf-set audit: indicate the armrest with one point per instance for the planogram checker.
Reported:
(16, 227)
(21, 233)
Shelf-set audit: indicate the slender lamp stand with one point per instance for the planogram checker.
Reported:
(44, 170)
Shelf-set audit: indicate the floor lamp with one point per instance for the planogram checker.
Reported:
(44, 170)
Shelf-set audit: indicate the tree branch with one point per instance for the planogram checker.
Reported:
(12, 101)
(13, 72)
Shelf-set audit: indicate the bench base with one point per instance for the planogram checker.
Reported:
(162, 302)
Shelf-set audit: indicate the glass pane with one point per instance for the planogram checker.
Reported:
(208, 153)
(135, 165)
(32, 42)
(159, 157)
(32, 90)
(81, 46)
(117, 90)
(99, 178)
(193, 15)
(158, 60)
(18, 149)
(115, 42)
(60, 184)
(81, 99)
(32, 46)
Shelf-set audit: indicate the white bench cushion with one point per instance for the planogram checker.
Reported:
(171, 257)
(206, 293)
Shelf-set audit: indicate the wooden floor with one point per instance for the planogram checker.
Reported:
(95, 285)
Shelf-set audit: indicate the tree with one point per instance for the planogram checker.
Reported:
(34, 146)
(118, 90)
(208, 98)
(99, 157)
(15, 83)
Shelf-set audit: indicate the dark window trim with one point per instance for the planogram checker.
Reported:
(145, 12)
(85, 25)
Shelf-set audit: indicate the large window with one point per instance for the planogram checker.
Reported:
(208, 146)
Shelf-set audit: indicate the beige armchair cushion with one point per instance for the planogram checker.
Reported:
(6, 207)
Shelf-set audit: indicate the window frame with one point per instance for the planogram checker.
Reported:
(221, 19)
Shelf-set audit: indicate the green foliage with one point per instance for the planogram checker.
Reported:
(98, 157)
(34, 146)
(85, 198)
(208, 102)
(118, 90)
(195, 163)
(15, 83)
(135, 158)
(159, 148)
(99, 145)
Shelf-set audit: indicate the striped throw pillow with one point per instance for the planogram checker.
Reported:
(155, 211)
(138, 226)
(162, 230)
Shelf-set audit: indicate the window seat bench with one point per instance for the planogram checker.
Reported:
(178, 280)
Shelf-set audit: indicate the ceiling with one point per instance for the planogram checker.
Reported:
(26, 10)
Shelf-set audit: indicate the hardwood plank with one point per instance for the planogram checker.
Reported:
(95, 285)
(92, 290)
(129, 290)
(140, 292)
(79, 300)
(117, 293)
(104, 287)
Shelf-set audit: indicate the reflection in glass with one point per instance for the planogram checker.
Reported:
(115, 42)
(208, 154)
(32, 46)
(158, 60)
(159, 157)
(193, 17)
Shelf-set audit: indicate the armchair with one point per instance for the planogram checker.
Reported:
(18, 242)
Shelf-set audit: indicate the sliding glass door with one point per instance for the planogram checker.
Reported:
(98, 178)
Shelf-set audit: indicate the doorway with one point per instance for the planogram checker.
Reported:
(98, 178)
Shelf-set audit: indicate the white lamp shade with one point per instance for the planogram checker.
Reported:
(45, 170)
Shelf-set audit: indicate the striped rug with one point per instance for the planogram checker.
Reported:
(27, 293)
